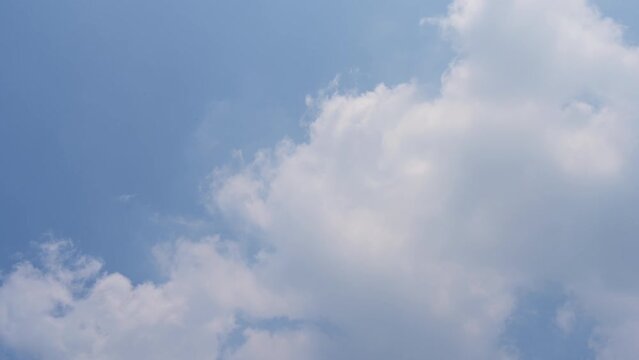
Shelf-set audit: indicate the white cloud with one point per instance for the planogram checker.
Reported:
(406, 224)
(125, 198)
(565, 318)
(69, 309)
(416, 220)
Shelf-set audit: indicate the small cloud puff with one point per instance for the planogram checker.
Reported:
(126, 198)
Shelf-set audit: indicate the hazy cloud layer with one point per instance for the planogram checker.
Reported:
(405, 227)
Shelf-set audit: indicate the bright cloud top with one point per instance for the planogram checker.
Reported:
(406, 226)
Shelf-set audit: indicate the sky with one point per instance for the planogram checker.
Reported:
(112, 98)
(331, 180)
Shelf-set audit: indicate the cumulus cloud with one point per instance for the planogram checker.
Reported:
(426, 216)
(68, 308)
(406, 225)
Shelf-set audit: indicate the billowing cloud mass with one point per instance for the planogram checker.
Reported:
(407, 226)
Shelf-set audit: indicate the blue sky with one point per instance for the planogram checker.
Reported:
(102, 99)
(114, 116)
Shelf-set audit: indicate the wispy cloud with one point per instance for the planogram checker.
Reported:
(126, 198)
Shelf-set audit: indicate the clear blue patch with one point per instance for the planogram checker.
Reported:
(533, 331)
